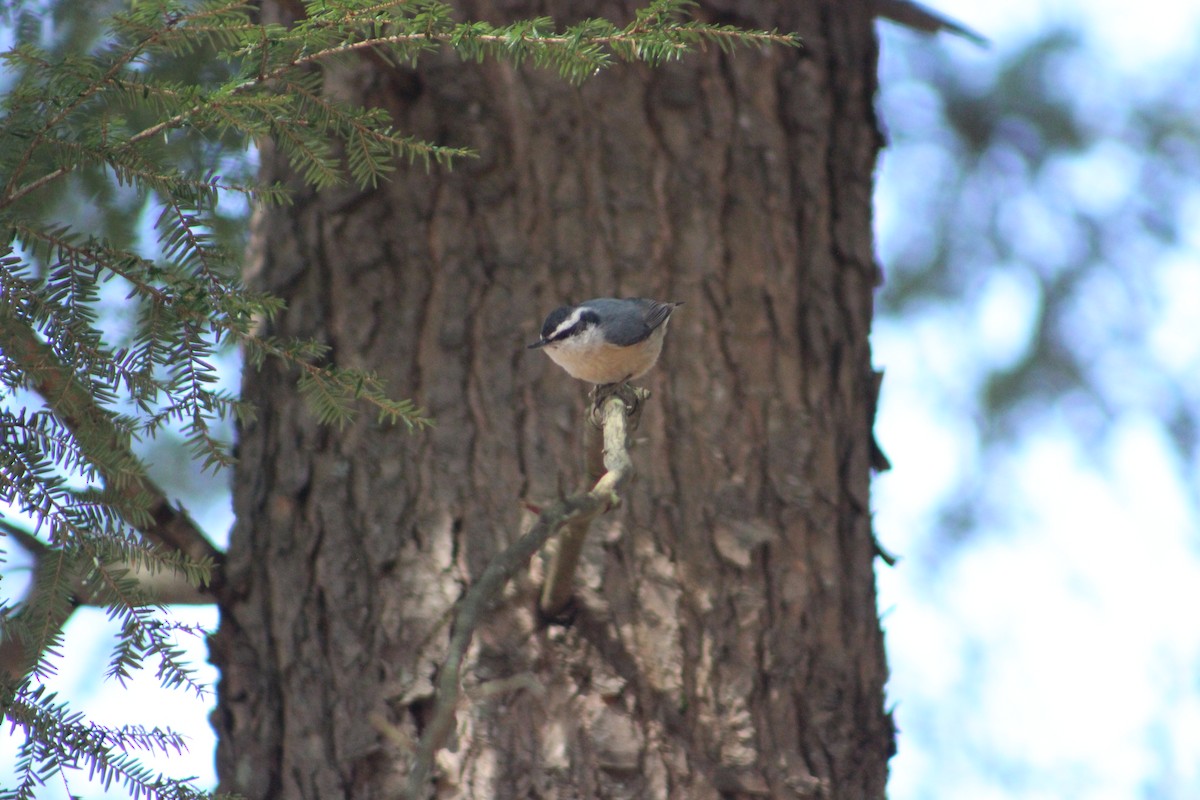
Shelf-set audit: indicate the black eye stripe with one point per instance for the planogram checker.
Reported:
(579, 319)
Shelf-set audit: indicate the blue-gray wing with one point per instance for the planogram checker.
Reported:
(653, 314)
(657, 313)
(633, 319)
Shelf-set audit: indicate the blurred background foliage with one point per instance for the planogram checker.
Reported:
(1046, 206)
(1038, 223)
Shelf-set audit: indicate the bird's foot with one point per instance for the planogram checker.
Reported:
(631, 396)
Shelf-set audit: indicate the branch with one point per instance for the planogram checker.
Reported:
(161, 587)
(629, 43)
(118, 64)
(479, 599)
(72, 402)
(559, 586)
(927, 20)
(92, 426)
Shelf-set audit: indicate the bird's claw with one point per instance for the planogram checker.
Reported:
(632, 396)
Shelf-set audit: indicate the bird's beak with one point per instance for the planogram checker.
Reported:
(537, 344)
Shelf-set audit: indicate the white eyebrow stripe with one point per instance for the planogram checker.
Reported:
(567, 323)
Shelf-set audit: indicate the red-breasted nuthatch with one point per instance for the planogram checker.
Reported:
(606, 340)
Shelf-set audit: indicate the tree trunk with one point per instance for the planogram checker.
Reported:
(725, 641)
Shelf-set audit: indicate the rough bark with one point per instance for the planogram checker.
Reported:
(725, 641)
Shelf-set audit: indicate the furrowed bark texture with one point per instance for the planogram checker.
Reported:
(725, 642)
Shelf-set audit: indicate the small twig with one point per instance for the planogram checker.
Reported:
(479, 599)
(522, 681)
(399, 738)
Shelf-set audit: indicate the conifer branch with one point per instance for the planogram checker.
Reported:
(657, 34)
(330, 391)
(54, 734)
(102, 442)
(54, 122)
(99, 439)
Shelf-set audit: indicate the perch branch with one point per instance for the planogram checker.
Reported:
(479, 599)
(559, 587)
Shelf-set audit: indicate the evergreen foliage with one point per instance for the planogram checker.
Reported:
(156, 108)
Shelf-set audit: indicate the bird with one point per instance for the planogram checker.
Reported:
(606, 340)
